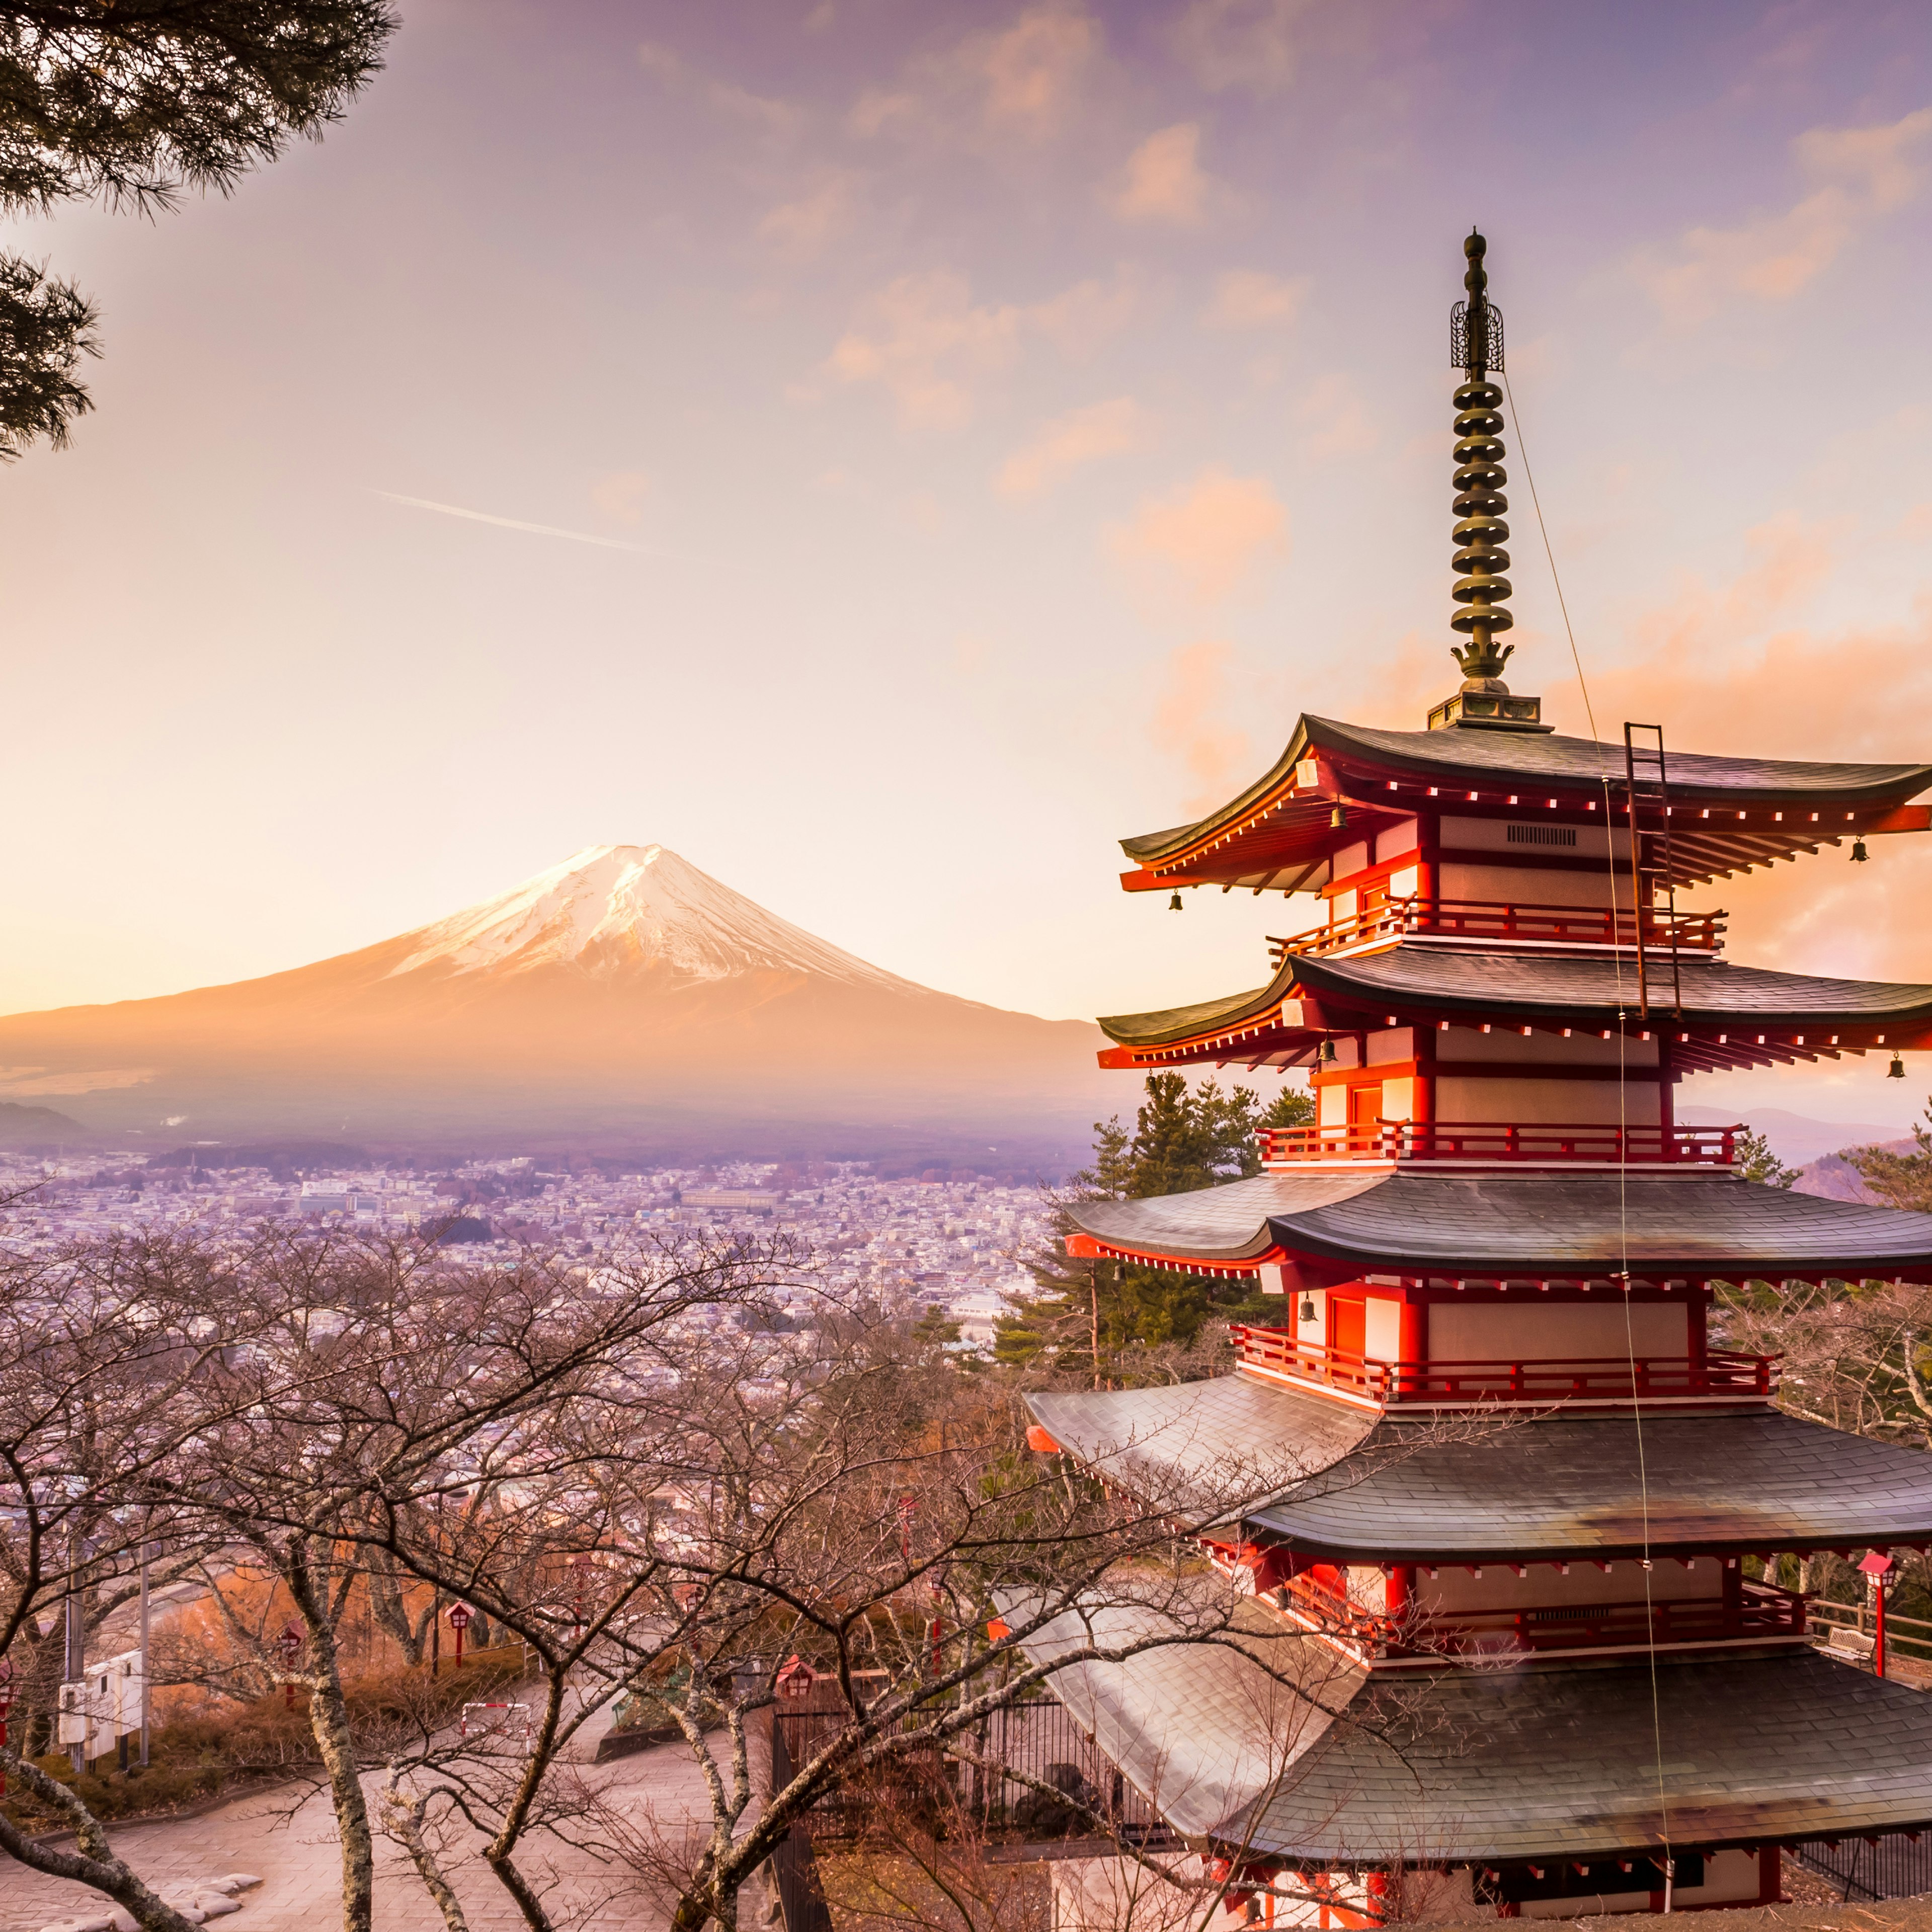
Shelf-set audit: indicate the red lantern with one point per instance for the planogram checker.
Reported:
(459, 1621)
(1877, 1565)
(796, 1677)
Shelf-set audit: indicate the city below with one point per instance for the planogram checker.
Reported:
(950, 1240)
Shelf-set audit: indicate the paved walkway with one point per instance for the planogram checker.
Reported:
(299, 1858)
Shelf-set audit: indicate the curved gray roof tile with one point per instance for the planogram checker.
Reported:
(1227, 1443)
(1452, 979)
(1551, 1486)
(1266, 1738)
(1533, 1486)
(1548, 1223)
(1488, 757)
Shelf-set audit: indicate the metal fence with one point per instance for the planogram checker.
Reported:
(1025, 1771)
(794, 1869)
(1893, 1866)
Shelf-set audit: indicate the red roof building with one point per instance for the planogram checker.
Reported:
(1521, 1484)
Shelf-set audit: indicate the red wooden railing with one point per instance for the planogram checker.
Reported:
(1763, 1611)
(1718, 1372)
(1489, 919)
(1532, 1143)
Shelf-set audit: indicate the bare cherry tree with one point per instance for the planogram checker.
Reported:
(836, 1504)
(269, 1406)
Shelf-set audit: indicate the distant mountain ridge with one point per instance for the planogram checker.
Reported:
(37, 1126)
(623, 998)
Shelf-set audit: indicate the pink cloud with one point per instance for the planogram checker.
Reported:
(1211, 538)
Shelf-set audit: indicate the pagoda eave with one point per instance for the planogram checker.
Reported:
(1546, 1487)
(1730, 1017)
(1461, 1766)
(1727, 815)
(1411, 1228)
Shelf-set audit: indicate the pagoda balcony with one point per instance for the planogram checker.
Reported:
(1763, 1614)
(1504, 1144)
(1493, 922)
(1718, 1374)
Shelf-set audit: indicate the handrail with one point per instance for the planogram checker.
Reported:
(1718, 1372)
(1532, 1143)
(1499, 919)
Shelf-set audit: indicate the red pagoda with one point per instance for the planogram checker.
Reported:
(1526, 1484)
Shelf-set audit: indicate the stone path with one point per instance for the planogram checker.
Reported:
(299, 1860)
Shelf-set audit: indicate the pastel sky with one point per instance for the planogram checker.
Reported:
(905, 448)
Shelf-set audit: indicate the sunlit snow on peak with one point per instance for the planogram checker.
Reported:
(613, 909)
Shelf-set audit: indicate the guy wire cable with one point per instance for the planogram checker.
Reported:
(1623, 1132)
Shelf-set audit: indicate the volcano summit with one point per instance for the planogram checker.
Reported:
(623, 999)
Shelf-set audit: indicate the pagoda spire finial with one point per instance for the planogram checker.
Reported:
(1476, 347)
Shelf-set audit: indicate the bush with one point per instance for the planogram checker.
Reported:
(200, 1756)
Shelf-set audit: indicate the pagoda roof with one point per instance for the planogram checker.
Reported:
(1546, 1487)
(1309, 997)
(1205, 1445)
(1277, 834)
(1463, 1766)
(1692, 1225)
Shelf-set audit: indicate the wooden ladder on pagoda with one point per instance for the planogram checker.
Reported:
(1647, 784)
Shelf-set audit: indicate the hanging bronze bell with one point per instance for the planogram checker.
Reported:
(1173, 904)
(1896, 1071)
(1859, 854)
(1339, 817)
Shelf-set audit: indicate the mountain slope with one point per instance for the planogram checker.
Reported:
(623, 997)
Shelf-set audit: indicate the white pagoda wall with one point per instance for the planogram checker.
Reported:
(1455, 1592)
(1560, 1102)
(1730, 1878)
(1546, 1331)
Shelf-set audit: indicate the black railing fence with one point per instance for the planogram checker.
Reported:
(1893, 1866)
(1026, 1771)
(794, 1870)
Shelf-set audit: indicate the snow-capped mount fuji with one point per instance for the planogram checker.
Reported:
(615, 909)
(623, 999)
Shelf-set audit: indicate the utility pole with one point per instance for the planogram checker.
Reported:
(76, 1671)
(1093, 1284)
(147, 1711)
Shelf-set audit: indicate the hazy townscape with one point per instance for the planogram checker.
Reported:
(951, 1241)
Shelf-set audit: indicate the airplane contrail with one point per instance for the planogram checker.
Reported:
(515, 524)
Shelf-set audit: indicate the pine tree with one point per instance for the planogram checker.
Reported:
(129, 102)
(1756, 1162)
(1899, 1179)
(1114, 1321)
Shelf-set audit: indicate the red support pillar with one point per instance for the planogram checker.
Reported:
(1412, 1345)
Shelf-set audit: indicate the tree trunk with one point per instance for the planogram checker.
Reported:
(93, 1862)
(386, 1606)
(403, 1818)
(329, 1720)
